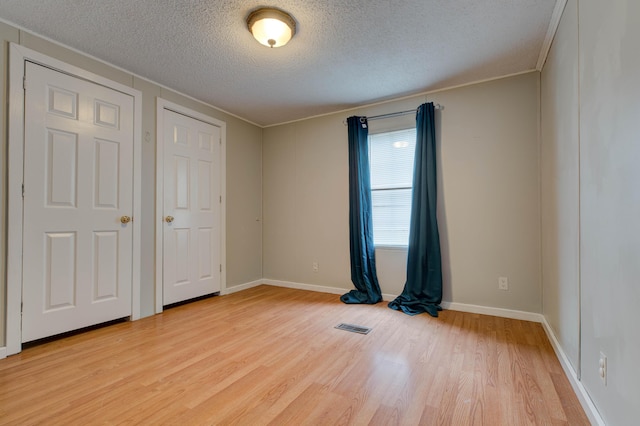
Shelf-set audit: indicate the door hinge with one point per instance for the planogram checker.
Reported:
(24, 82)
(221, 199)
(23, 190)
(221, 267)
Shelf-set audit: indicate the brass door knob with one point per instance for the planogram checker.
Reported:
(168, 219)
(125, 219)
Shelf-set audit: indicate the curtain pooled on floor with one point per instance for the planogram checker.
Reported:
(423, 288)
(363, 261)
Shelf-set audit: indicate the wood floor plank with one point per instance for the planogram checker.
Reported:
(271, 355)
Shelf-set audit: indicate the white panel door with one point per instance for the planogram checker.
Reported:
(191, 234)
(78, 185)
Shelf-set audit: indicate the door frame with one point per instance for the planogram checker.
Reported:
(161, 106)
(18, 56)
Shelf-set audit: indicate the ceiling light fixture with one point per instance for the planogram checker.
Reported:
(271, 27)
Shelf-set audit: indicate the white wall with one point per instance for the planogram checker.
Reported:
(488, 203)
(590, 121)
(560, 182)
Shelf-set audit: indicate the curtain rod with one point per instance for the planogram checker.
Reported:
(393, 114)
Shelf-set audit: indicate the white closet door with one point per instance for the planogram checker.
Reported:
(191, 227)
(78, 189)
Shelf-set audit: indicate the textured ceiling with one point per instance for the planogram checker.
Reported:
(346, 52)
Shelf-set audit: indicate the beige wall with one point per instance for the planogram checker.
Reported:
(148, 202)
(8, 34)
(591, 152)
(610, 204)
(488, 200)
(243, 179)
(560, 186)
(306, 202)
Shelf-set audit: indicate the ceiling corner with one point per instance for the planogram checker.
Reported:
(551, 33)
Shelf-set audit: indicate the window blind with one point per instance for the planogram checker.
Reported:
(391, 167)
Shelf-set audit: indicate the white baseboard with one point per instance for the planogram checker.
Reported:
(388, 297)
(240, 287)
(587, 405)
(3, 352)
(496, 312)
(300, 286)
(462, 307)
(319, 288)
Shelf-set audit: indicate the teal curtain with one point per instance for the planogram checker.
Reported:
(363, 259)
(423, 288)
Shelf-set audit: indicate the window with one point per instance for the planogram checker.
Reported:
(391, 164)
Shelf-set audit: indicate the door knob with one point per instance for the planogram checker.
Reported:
(168, 219)
(125, 219)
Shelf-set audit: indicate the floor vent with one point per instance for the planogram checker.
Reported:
(353, 328)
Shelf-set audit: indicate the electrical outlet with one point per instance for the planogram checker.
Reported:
(315, 266)
(503, 283)
(602, 369)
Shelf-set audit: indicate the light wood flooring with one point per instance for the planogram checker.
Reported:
(271, 355)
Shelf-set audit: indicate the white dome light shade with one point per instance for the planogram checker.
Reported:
(271, 27)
